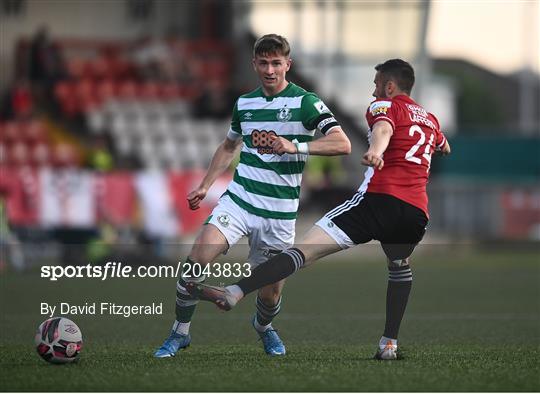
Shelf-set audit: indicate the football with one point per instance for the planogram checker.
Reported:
(58, 340)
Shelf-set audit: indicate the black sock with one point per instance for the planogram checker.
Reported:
(275, 269)
(397, 295)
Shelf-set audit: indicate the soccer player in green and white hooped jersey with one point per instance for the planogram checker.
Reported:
(274, 122)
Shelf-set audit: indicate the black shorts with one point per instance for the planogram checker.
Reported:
(398, 225)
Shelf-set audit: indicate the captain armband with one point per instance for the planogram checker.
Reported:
(325, 122)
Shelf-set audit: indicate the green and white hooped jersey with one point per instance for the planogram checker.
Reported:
(266, 184)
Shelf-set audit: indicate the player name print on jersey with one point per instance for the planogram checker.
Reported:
(418, 114)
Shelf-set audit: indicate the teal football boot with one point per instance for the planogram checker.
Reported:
(272, 343)
(172, 345)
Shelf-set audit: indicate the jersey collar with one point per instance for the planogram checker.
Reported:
(270, 98)
(404, 97)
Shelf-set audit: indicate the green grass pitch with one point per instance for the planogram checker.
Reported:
(473, 324)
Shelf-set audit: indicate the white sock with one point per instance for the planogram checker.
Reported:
(235, 291)
(181, 328)
(384, 341)
(260, 328)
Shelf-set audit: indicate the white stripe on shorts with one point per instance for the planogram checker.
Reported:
(346, 206)
(343, 206)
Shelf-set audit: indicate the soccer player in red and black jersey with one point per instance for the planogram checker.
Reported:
(391, 205)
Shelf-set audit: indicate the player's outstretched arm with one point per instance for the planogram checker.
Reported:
(221, 160)
(380, 138)
(334, 143)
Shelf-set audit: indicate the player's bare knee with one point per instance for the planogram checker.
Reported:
(199, 255)
(317, 244)
(311, 255)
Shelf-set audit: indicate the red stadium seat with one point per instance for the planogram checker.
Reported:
(35, 132)
(19, 154)
(85, 89)
(87, 104)
(66, 93)
(219, 69)
(63, 90)
(189, 92)
(128, 90)
(99, 68)
(122, 69)
(106, 90)
(170, 91)
(12, 132)
(40, 154)
(87, 97)
(76, 67)
(149, 91)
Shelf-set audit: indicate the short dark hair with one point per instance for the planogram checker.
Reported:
(399, 71)
(271, 44)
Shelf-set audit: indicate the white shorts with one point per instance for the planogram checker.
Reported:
(266, 237)
(337, 234)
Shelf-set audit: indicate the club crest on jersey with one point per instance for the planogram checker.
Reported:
(224, 220)
(284, 114)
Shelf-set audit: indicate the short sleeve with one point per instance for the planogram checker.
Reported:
(440, 138)
(381, 110)
(235, 131)
(316, 115)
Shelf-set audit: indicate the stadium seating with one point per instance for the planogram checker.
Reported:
(160, 135)
(149, 122)
(24, 143)
(147, 119)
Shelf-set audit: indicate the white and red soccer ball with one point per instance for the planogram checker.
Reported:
(58, 340)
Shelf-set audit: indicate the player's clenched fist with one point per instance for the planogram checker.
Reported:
(373, 160)
(282, 145)
(195, 197)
